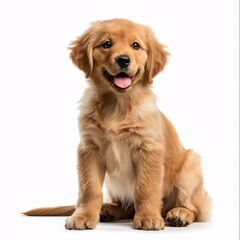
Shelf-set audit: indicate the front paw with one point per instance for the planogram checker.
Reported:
(81, 222)
(155, 222)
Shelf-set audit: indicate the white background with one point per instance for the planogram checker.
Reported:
(40, 88)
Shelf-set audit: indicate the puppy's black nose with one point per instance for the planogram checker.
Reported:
(123, 61)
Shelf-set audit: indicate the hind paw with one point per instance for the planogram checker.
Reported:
(180, 217)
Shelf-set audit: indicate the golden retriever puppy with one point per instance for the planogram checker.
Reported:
(125, 140)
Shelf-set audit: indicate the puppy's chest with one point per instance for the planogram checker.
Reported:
(120, 174)
(118, 158)
(120, 129)
(119, 162)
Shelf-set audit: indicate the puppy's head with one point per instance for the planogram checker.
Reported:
(118, 54)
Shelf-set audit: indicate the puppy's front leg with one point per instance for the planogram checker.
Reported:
(149, 171)
(90, 176)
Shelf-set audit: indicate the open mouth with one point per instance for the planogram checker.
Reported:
(122, 80)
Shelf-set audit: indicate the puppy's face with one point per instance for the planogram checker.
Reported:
(120, 57)
(118, 54)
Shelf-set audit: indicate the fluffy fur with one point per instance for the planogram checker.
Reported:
(126, 140)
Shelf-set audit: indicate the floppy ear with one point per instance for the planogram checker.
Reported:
(157, 59)
(81, 53)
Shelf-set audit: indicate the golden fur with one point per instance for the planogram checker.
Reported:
(126, 140)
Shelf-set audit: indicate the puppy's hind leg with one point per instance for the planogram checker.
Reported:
(114, 211)
(192, 201)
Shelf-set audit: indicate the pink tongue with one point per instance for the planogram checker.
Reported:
(123, 82)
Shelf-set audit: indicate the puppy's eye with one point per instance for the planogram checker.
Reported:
(107, 44)
(135, 45)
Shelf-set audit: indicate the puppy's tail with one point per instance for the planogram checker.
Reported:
(51, 211)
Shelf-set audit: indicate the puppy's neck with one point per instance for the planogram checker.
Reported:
(122, 104)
